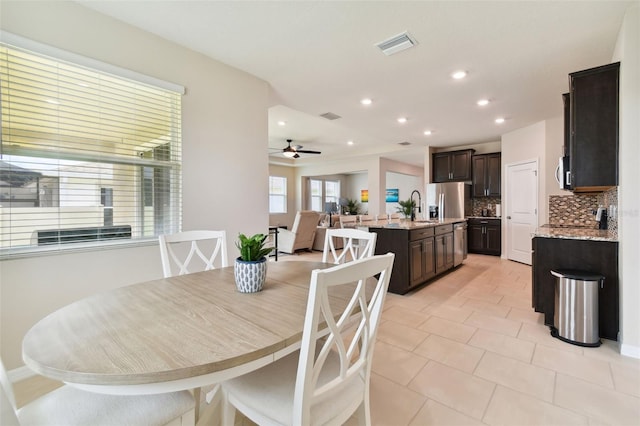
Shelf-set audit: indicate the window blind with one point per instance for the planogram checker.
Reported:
(87, 158)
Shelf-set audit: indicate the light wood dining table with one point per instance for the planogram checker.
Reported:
(177, 333)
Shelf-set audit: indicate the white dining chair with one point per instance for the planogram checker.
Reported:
(73, 407)
(348, 221)
(356, 244)
(383, 216)
(327, 380)
(174, 254)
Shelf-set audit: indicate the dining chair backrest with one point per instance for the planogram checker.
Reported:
(383, 216)
(354, 350)
(174, 254)
(348, 221)
(357, 244)
(394, 216)
(365, 218)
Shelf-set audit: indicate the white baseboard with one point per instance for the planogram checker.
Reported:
(20, 373)
(629, 350)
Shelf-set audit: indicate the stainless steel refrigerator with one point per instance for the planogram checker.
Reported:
(449, 200)
(452, 200)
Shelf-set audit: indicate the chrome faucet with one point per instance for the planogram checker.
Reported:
(413, 211)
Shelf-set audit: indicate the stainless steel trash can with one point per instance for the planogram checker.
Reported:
(575, 318)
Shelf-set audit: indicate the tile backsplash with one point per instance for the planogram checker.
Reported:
(484, 203)
(577, 209)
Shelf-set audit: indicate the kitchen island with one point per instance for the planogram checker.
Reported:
(574, 248)
(424, 249)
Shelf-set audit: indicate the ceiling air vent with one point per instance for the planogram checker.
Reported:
(330, 116)
(405, 143)
(397, 43)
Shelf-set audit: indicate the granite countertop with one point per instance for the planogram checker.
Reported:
(407, 224)
(575, 233)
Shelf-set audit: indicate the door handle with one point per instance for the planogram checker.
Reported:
(508, 217)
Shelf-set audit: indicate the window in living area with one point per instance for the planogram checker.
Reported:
(87, 157)
(277, 194)
(322, 192)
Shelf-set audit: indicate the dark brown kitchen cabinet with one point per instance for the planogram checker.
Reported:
(421, 260)
(593, 133)
(452, 166)
(422, 254)
(443, 248)
(487, 170)
(599, 257)
(484, 236)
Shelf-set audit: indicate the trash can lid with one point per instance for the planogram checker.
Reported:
(573, 274)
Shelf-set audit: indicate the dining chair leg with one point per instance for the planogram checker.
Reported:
(196, 397)
(228, 410)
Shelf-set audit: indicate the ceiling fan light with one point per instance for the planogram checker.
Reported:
(290, 154)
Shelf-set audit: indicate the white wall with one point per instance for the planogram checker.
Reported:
(225, 165)
(524, 144)
(405, 185)
(628, 53)
(355, 183)
(376, 169)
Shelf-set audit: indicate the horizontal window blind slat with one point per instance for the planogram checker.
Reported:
(85, 156)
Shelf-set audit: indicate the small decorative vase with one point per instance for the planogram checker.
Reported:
(250, 275)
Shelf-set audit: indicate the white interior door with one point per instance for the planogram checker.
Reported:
(521, 209)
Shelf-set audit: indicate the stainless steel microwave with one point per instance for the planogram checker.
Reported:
(563, 173)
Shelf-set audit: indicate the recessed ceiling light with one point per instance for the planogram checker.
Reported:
(499, 120)
(282, 123)
(459, 74)
(366, 101)
(427, 132)
(402, 120)
(483, 102)
(349, 142)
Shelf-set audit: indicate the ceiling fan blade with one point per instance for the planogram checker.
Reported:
(303, 151)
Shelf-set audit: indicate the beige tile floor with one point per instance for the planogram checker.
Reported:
(468, 349)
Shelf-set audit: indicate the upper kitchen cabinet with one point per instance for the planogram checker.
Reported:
(593, 120)
(452, 166)
(486, 175)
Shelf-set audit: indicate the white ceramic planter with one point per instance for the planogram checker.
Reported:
(250, 275)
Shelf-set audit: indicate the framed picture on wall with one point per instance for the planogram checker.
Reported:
(364, 195)
(392, 195)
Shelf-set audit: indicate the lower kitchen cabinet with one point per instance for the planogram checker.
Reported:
(444, 250)
(421, 254)
(484, 236)
(421, 260)
(599, 257)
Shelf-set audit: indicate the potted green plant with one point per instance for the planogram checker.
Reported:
(406, 207)
(250, 269)
(352, 207)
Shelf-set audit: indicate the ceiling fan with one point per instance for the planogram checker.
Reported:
(292, 151)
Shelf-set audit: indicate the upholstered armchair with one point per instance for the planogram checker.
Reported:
(301, 234)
